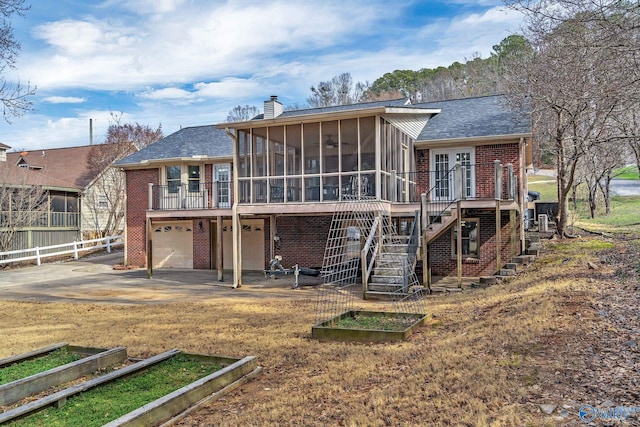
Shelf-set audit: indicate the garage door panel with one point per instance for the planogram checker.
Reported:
(172, 245)
(252, 244)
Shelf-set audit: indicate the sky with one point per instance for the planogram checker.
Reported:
(181, 63)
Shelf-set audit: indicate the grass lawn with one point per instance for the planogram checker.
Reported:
(627, 172)
(624, 217)
(481, 359)
(545, 185)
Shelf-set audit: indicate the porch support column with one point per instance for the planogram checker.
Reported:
(149, 246)
(272, 236)
(237, 249)
(219, 249)
(513, 238)
(459, 243)
(498, 237)
(498, 196)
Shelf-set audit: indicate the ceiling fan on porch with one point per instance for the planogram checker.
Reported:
(331, 143)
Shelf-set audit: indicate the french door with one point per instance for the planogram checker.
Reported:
(222, 174)
(443, 163)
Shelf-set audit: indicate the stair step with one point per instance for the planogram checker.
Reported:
(507, 272)
(386, 280)
(522, 259)
(387, 270)
(490, 280)
(385, 295)
(512, 266)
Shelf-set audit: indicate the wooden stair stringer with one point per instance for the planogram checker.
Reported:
(435, 230)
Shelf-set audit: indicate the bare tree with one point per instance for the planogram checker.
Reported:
(241, 113)
(22, 203)
(104, 200)
(340, 90)
(576, 80)
(15, 97)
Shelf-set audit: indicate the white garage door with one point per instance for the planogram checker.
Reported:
(172, 244)
(252, 244)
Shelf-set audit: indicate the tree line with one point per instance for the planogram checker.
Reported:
(576, 66)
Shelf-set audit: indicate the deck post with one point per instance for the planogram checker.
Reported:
(150, 196)
(498, 197)
(459, 243)
(219, 249)
(514, 232)
(237, 248)
(149, 250)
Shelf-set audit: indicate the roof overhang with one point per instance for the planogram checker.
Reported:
(328, 115)
(193, 159)
(474, 140)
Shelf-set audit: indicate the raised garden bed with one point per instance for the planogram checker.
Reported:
(153, 391)
(39, 370)
(368, 326)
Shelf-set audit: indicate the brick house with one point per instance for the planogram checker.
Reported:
(233, 195)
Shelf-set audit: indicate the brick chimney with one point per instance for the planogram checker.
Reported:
(3, 152)
(272, 108)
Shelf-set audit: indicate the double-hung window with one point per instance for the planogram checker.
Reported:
(470, 239)
(173, 178)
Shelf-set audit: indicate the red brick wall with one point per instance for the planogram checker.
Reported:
(202, 243)
(137, 202)
(302, 240)
(422, 171)
(443, 264)
(485, 157)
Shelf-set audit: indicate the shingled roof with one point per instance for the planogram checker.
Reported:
(459, 118)
(206, 141)
(52, 168)
(473, 118)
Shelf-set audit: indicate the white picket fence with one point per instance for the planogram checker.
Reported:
(74, 248)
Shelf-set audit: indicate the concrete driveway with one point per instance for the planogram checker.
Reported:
(93, 280)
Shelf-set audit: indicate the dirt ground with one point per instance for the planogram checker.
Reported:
(534, 350)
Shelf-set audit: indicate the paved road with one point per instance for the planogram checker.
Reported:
(625, 187)
(93, 280)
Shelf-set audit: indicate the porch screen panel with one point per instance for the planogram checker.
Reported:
(294, 150)
(311, 148)
(331, 159)
(349, 145)
(244, 154)
(259, 151)
(368, 143)
(276, 151)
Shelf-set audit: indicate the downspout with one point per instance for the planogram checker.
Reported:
(235, 220)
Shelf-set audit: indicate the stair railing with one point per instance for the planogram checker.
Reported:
(366, 259)
(442, 194)
(409, 264)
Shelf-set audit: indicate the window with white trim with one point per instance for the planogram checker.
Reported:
(470, 238)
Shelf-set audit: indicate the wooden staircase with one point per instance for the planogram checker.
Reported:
(389, 280)
(443, 222)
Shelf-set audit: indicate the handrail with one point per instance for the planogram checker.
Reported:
(367, 268)
(441, 205)
(76, 248)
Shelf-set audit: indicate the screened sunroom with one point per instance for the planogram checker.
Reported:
(325, 161)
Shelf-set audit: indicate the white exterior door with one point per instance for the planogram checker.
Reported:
(443, 163)
(222, 174)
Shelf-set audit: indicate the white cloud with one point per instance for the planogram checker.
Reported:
(64, 100)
